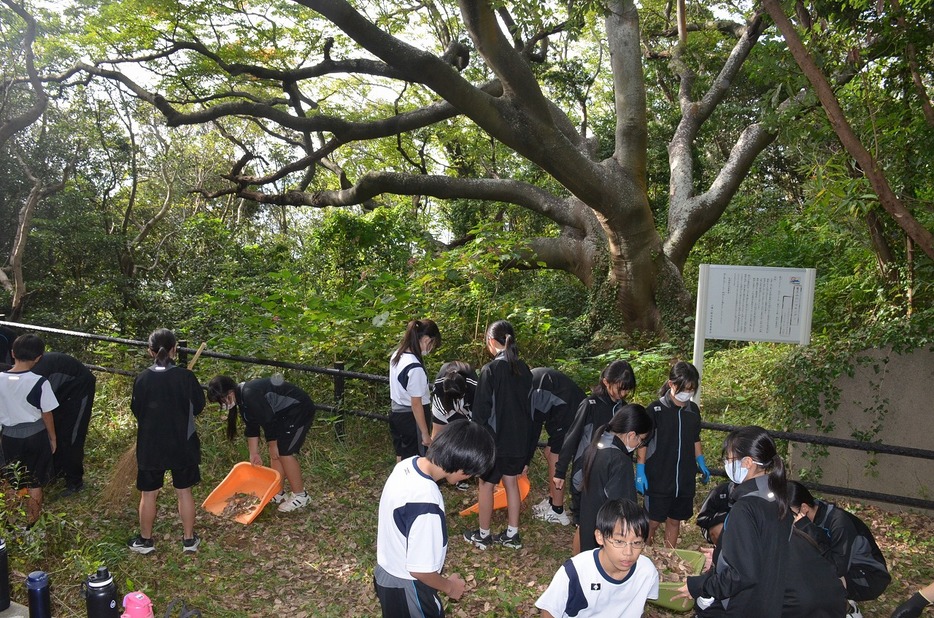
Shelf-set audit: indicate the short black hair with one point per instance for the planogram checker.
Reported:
(28, 347)
(463, 445)
(628, 514)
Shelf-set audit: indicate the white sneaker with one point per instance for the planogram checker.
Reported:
(294, 502)
(554, 518)
(542, 506)
(280, 497)
(853, 610)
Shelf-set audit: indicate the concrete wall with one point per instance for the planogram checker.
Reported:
(903, 385)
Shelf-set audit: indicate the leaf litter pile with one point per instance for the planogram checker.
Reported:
(671, 567)
(240, 503)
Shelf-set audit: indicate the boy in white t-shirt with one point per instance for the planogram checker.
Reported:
(411, 541)
(26, 404)
(613, 580)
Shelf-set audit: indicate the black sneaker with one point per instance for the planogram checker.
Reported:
(480, 542)
(513, 542)
(191, 544)
(141, 545)
(71, 490)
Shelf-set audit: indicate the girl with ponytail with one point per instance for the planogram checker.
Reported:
(608, 462)
(751, 558)
(502, 405)
(166, 399)
(409, 389)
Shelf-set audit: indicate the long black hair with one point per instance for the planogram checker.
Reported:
(161, 342)
(618, 373)
(503, 333)
(755, 442)
(453, 382)
(411, 340)
(631, 417)
(218, 388)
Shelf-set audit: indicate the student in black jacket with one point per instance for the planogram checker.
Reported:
(749, 565)
(502, 406)
(667, 466)
(617, 382)
(166, 399)
(284, 412)
(812, 588)
(608, 465)
(555, 400)
(855, 553)
(74, 386)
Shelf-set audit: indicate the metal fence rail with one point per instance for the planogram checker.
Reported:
(339, 375)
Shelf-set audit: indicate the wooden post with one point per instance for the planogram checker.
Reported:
(339, 402)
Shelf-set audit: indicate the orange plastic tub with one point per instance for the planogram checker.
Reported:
(245, 478)
(499, 496)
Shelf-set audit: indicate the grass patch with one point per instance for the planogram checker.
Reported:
(319, 562)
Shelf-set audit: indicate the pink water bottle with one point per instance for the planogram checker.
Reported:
(137, 605)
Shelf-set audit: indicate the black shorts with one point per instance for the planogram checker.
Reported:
(182, 478)
(504, 466)
(864, 583)
(406, 438)
(28, 460)
(405, 598)
(293, 435)
(661, 508)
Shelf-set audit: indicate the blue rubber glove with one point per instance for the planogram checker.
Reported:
(642, 482)
(702, 466)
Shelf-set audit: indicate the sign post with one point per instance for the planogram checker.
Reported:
(752, 303)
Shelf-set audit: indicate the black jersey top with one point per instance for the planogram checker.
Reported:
(67, 375)
(669, 459)
(611, 478)
(502, 405)
(812, 587)
(272, 404)
(555, 400)
(165, 403)
(593, 413)
(751, 559)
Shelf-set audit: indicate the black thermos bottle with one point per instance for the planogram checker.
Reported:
(100, 595)
(37, 590)
(4, 577)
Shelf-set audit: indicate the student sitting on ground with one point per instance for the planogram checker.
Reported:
(613, 580)
(412, 536)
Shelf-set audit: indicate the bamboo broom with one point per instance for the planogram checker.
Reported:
(118, 488)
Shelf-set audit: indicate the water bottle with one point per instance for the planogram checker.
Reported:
(37, 591)
(4, 577)
(100, 595)
(137, 605)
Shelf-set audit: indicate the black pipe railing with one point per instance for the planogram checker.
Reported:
(339, 374)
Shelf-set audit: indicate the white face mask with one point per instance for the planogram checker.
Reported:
(735, 470)
(684, 396)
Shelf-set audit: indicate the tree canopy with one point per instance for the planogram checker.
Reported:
(536, 129)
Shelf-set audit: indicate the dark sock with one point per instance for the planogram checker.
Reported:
(557, 509)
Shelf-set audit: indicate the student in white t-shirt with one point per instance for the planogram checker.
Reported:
(411, 540)
(613, 580)
(409, 389)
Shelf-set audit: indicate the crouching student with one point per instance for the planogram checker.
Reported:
(854, 551)
(613, 580)
(412, 536)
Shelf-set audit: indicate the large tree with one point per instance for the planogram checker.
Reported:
(292, 73)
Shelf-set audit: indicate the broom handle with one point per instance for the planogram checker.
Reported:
(194, 360)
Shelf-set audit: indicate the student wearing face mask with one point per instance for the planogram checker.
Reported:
(607, 473)
(617, 381)
(749, 566)
(284, 412)
(667, 465)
